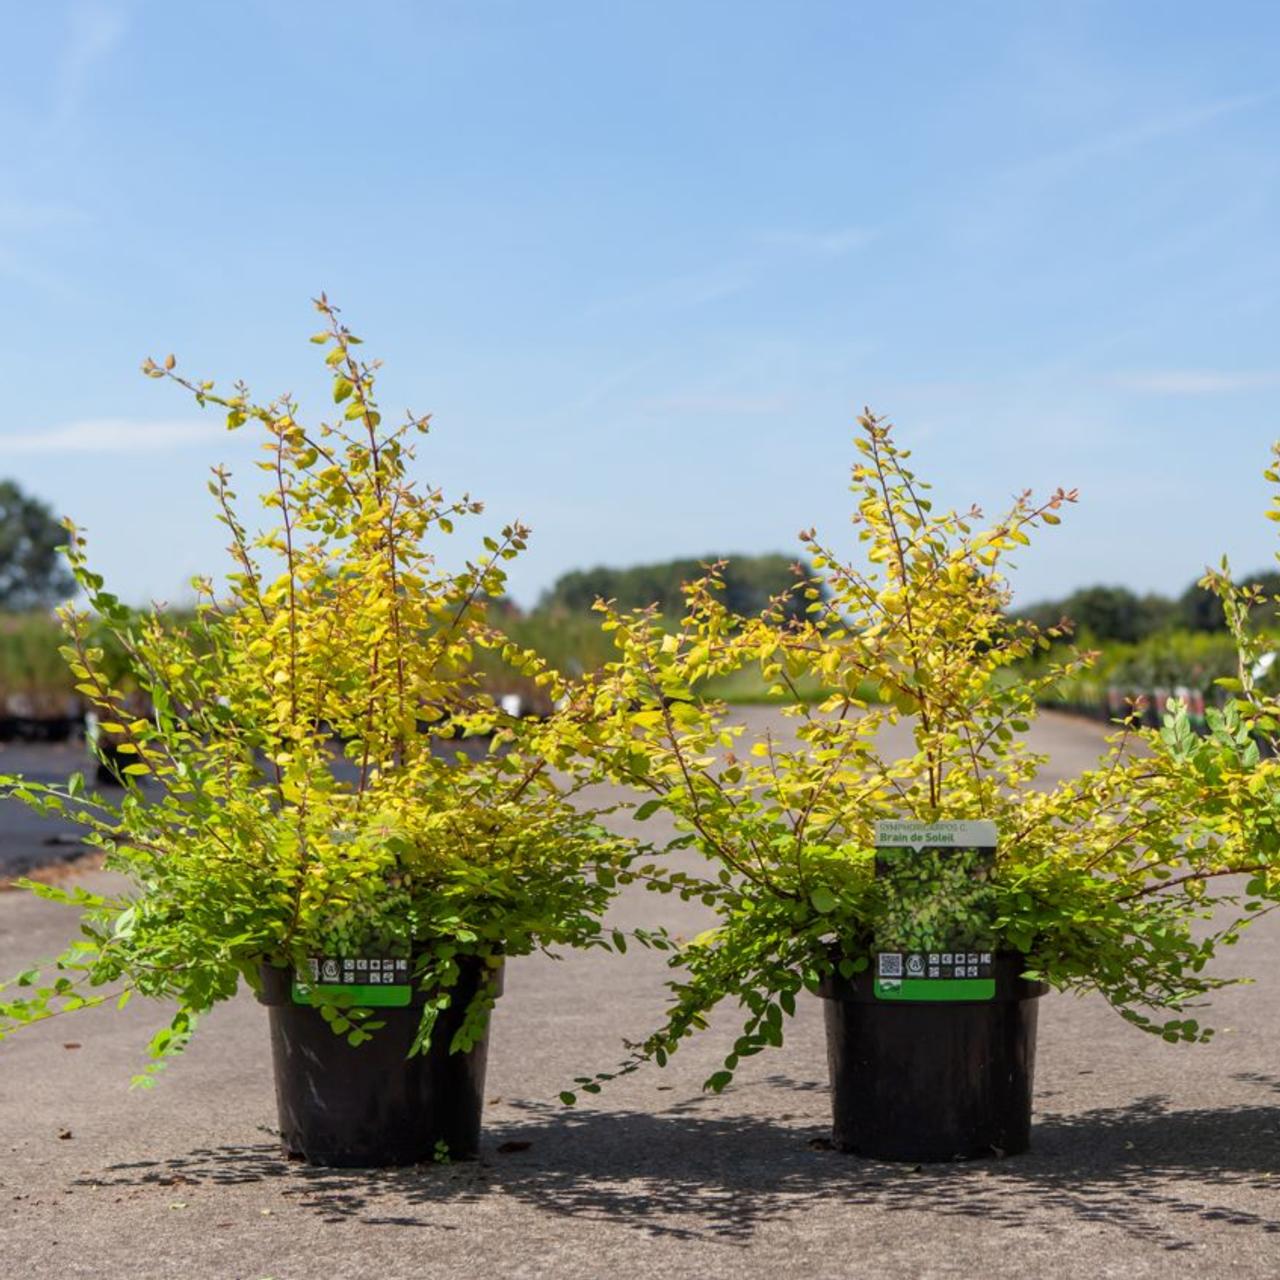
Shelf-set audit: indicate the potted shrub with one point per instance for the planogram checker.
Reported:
(1085, 884)
(1237, 757)
(321, 801)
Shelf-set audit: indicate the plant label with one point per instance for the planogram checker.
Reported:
(364, 981)
(955, 972)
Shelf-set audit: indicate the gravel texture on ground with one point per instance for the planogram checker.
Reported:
(1148, 1159)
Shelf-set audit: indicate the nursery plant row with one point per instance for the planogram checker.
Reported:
(38, 699)
(307, 842)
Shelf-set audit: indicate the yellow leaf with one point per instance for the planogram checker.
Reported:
(685, 713)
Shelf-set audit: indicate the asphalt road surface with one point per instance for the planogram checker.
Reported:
(26, 838)
(1148, 1160)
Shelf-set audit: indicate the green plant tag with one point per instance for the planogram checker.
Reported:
(957, 972)
(368, 982)
(934, 975)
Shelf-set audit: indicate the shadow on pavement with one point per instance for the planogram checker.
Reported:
(1144, 1169)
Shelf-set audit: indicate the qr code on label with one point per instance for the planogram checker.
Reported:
(890, 965)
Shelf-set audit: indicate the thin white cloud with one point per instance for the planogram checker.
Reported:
(1056, 164)
(95, 30)
(18, 215)
(738, 405)
(678, 293)
(1194, 382)
(24, 269)
(833, 243)
(769, 252)
(111, 435)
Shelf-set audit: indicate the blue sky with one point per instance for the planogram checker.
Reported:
(644, 262)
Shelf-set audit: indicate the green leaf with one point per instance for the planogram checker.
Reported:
(824, 901)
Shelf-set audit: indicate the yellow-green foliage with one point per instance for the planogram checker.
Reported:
(35, 676)
(1238, 763)
(307, 794)
(576, 645)
(571, 642)
(1094, 882)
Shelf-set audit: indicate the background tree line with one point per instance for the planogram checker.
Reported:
(750, 582)
(1116, 613)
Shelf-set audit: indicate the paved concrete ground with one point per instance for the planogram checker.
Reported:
(1149, 1159)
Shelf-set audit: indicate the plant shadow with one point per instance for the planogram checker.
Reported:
(691, 1172)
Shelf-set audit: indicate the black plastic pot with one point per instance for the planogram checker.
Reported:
(927, 1081)
(373, 1105)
